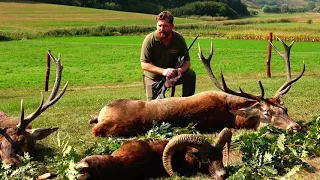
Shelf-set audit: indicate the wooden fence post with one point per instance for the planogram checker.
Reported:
(269, 55)
(46, 85)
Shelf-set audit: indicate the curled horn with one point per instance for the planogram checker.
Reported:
(182, 141)
(224, 138)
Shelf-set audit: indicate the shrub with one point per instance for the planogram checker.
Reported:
(317, 9)
(253, 12)
(145, 7)
(272, 152)
(284, 8)
(309, 21)
(271, 9)
(206, 8)
(112, 6)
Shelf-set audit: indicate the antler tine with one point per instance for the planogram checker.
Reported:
(286, 56)
(207, 65)
(287, 85)
(52, 99)
(223, 87)
(242, 93)
(58, 76)
(22, 123)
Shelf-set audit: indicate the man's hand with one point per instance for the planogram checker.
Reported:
(170, 72)
(172, 81)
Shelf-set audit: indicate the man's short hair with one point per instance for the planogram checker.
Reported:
(165, 15)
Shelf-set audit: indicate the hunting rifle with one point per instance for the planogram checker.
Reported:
(159, 87)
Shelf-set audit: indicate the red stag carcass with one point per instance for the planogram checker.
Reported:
(186, 154)
(210, 110)
(17, 137)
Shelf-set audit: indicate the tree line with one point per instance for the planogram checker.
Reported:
(180, 8)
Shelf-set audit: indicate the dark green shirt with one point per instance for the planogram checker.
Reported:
(165, 56)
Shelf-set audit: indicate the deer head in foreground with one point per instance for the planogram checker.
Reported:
(266, 110)
(208, 157)
(186, 154)
(17, 136)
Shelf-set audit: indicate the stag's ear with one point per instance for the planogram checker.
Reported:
(248, 112)
(41, 133)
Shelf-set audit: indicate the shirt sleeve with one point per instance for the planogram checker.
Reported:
(145, 55)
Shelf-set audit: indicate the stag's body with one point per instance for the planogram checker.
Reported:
(209, 110)
(134, 160)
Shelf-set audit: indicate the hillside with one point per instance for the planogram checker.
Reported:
(34, 20)
(291, 3)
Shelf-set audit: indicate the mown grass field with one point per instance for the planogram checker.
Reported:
(103, 69)
(42, 17)
(30, 20)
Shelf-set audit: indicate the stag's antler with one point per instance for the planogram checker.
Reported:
(223, 87)
(286, 56)
(52, 99)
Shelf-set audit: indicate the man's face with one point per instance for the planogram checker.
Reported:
(164, 29)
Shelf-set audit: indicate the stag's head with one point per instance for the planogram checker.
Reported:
(16, 138)
(209, 157)
(265, 110)
(15, 141)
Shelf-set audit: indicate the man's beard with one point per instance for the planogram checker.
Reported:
(162, 35)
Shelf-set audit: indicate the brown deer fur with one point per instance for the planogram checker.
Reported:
(139, 159)
(209, 110)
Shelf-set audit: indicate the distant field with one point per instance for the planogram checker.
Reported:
(44, 17)
(291, 3)
(30, 20)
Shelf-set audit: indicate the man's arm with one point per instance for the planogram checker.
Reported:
(151, 68)
(168, 72)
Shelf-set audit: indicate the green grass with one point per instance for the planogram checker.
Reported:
(96, 61)
(102, 69)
